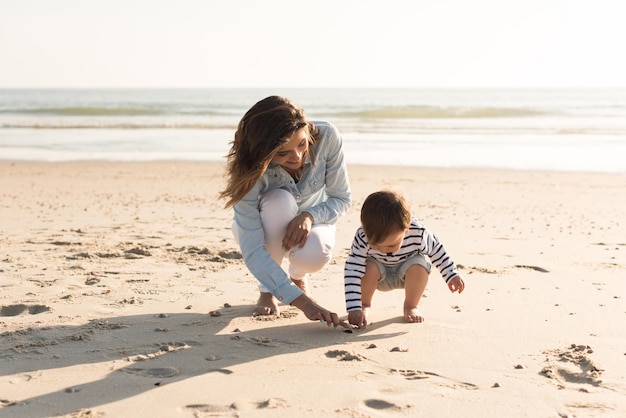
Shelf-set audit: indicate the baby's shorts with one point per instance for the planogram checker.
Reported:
(392, 277)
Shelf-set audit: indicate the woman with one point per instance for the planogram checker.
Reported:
(288, 184)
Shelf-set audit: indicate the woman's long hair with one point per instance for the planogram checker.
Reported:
(262, 131)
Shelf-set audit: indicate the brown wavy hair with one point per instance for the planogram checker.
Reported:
(263, 130)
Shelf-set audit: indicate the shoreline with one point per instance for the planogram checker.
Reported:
(211, 162)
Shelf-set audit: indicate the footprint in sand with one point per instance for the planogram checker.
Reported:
(231, 255)
(474, 269)
(15, 310)
(273, 403)
(572, 367)
(439, 379)
(411, 374)
(539, 269)
(380, 404)
(208, 410)
(156, 372)
(211, 410)
(343, 355)
(85, 413)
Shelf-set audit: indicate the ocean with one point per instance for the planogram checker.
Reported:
(539, 129)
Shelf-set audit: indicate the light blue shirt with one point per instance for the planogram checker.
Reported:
(323, 191)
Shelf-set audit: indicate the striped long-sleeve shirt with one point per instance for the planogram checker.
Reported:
(418, 240)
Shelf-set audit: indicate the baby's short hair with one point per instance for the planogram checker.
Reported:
(383, 213)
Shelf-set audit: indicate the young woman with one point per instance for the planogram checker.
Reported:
(288, 184)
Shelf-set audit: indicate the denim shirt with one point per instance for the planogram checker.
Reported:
(323, 191)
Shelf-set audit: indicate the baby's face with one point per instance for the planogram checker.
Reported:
(391, 243)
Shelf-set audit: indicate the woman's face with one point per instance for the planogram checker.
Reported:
(291, 155)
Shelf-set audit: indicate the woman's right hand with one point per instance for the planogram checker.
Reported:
(298, 231)
(315, 312)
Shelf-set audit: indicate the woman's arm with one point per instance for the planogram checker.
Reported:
(251, 238)
(336, 181)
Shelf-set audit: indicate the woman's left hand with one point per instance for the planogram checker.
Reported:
(298, 231)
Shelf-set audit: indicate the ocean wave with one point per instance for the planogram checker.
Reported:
(55, 124)
(407, 112)
(434, 112)
(349, 128)
(87, 111)
(97, 111)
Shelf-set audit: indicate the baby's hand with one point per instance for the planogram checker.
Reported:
(456, 284)
(357, 318)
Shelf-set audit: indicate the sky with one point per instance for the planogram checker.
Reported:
(321, 43)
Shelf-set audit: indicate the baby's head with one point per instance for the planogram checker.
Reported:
(385, 218)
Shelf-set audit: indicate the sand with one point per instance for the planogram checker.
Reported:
(122, 293)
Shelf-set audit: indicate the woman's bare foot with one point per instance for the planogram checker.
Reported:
(266, 305)
(412, 315)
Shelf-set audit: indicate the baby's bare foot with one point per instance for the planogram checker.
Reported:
(266, 305)
(412, 315)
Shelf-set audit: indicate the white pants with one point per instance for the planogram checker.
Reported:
(278, 208)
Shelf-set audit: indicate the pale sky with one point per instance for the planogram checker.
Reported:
(317, 43)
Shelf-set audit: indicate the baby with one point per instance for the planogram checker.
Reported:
(388, 252)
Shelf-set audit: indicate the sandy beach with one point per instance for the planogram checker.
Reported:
(123, 294)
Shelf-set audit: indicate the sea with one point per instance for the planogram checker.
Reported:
(539, 129)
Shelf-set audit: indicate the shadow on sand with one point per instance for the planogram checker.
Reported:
(144, 352)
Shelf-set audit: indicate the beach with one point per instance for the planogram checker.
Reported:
(123, 293)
